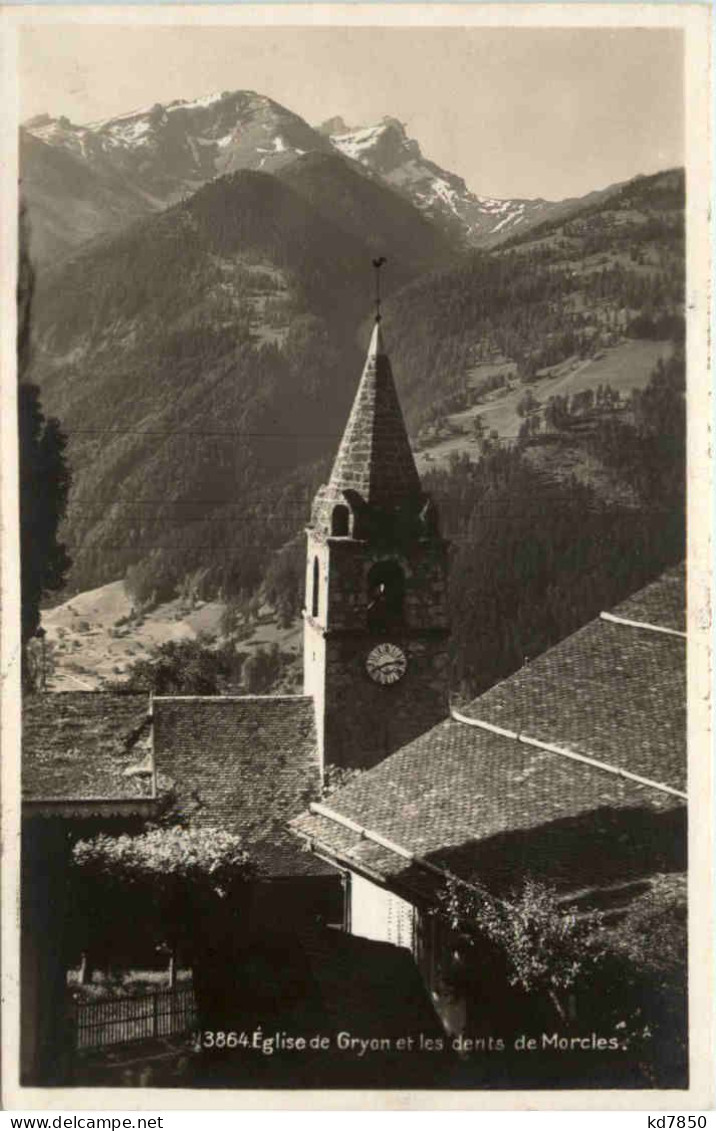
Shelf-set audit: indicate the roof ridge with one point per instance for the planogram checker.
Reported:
(613, 619)
(551, 748)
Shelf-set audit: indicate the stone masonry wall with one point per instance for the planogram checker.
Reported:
(365, 721)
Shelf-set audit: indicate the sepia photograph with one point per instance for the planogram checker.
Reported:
(354, 701)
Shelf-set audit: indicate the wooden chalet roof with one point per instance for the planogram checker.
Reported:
(82, 746)
(496, 806)
(245, 764)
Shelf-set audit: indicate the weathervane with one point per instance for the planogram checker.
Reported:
(377, 264)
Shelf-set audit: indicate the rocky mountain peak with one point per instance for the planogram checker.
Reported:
(383, 147)
(151, 157)
(335, 125)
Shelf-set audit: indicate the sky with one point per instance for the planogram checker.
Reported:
(517, 112)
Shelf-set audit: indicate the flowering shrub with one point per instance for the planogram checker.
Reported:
(170, 889)
(172, 871)
(544, 948)
(206, 860)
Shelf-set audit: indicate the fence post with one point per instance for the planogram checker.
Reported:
(155, 1014)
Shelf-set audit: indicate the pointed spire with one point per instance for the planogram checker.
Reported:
(375, 458)
(376, 347)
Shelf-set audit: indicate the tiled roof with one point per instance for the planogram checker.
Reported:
(612, 692)
(85, 745)
(481, 804)
(662, 603)
(246, 765)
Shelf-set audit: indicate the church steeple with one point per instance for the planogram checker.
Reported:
(376, 628)
(374, 473)
(375, 458)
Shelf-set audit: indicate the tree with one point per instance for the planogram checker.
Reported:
(262, 669)
(44, 476)
(180, 667)
(478, 427)
(283, 585)
(151, 580)
(44, 487)
(173, 862)
(527, 404)
(583, 401)
(529, 427)
(556, 413)
(536, 557)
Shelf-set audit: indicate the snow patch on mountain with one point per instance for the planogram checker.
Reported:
(386, 148)
(137, 131)
(443, 191)
(355, 144)
(207, 100)
(160, 153)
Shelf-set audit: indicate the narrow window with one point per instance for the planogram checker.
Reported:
(386, 594)
(314, 598)
(339, 521)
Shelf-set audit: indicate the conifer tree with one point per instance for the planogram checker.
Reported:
(44, 475)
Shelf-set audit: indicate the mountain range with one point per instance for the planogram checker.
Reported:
(478, 221)
(84, 181)
(203, 302)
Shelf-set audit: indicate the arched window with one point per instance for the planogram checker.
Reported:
(314, 591)
(386, 595)
(339, 521)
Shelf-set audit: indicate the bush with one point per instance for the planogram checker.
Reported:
(262, 670)
(166, 879)
(183, 667)
(527, 404)
(283, 587)
(204, 860)
(545, 949)
(150, 582)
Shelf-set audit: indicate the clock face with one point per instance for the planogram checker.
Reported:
(386, 663)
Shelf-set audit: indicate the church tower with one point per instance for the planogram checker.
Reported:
(375, 621)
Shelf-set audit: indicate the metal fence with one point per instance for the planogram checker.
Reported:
(116, 1020)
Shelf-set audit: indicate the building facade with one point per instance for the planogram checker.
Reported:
(570, 773)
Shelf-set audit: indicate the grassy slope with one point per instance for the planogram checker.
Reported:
(88, 644)
(625, 366)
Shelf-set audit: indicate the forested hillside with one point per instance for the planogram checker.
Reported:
(563, 290)
(200, 363)
(357, 201)
(204, 361)
(536, 554)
